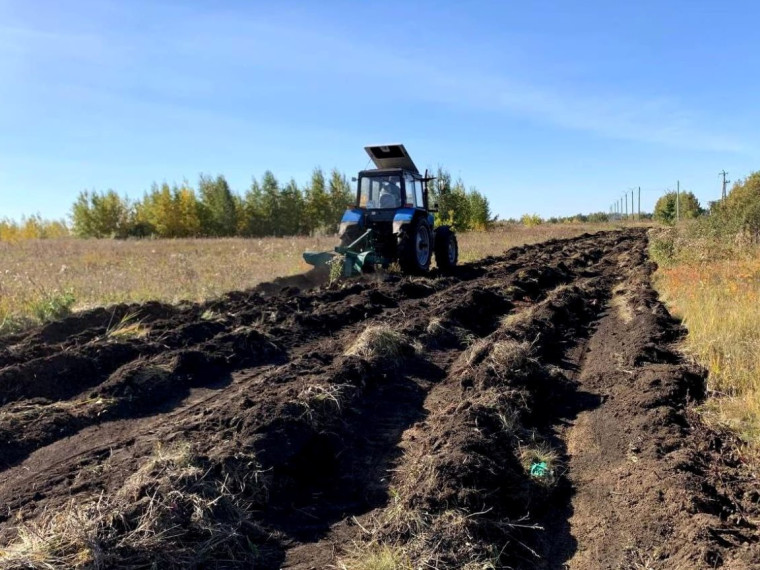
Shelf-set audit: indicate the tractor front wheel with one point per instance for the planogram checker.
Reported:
(415, 247)
(446, 248)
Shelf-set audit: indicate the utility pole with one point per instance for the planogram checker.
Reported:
(632, 215)
(639, 204)
(678, 199)
(724, 174)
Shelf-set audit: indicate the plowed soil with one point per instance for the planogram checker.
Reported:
(527, 411)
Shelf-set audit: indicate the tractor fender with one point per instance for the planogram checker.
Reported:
(351, 218)
(403, 217)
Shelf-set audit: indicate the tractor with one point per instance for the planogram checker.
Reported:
(391, 221)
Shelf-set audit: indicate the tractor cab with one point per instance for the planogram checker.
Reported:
(391, 219)
(392, 193)
(395, 183)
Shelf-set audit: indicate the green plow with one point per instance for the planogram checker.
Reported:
(353, 256)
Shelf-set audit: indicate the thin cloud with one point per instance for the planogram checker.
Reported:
(653, 120)
(247, 44)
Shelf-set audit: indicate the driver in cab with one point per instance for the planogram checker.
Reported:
(390, 196)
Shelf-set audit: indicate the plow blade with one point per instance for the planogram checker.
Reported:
(352, 257)
(318, 258)
(351, 262)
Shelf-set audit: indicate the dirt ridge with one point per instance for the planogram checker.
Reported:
(318, 457)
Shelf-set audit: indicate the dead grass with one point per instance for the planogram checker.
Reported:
(41, 279)
(472, 356)
(438, 330)
(507, 356)
(128, 327)
(172, 513)
(380, 341)
(374, 556)
(541, 462)
(20, 413)
(719, 302)
(621, 303)
(320, 402)
(502, 357)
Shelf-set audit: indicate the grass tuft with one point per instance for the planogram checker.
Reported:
(128, 327)
(51, 305)
(380, 341)
(508, 356)
(538, 453)
(372, 556)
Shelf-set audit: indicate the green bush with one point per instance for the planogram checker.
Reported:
(530, 220)
(688, 207)
(52, 305)
(662, 246)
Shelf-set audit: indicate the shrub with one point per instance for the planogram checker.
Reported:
(688, 207)
(531, 220)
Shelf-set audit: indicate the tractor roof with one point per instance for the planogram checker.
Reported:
(391, 156)
(388, 172)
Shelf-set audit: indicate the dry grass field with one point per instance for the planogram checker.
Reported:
(41, 279)
(719, 302)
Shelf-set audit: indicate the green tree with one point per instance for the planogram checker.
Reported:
(271, 207)
(440, 196)
(99, 215)
(217, 207)
(251, 222)
(317, 208)
(688, 207)
(480, 211)
(741, 209)
(167, 212)
(291, 210)
(341, 195)
(456, 208)
(187, 211)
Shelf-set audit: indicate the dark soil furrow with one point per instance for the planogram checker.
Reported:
(306, 428)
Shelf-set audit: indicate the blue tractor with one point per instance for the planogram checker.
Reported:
(391, 221)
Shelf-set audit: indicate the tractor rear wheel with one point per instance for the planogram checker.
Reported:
(415, 247)
(446, 248)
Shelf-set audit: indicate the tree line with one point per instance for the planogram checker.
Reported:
(726, 229)
(32, 227)
(213, 209)
(267, 208)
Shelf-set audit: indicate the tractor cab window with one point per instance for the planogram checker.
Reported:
(411, 194)
(380, 192)
(414, 191)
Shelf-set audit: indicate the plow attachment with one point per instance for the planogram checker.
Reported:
(353, 257)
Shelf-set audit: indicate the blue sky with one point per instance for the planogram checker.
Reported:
(552, 107)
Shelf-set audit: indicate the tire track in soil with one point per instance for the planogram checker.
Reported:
(634, 498)
(564, 341)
